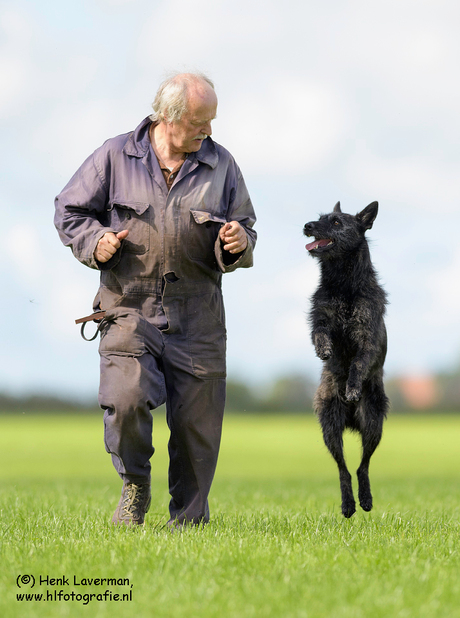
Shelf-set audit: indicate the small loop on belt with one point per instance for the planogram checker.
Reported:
(98, 317)
(82, 331)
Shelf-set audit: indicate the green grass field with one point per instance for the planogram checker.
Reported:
(277, 545)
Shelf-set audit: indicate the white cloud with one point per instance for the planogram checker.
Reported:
(71, 132)
(196, 32)
(13, 78)
(291, 126)
(443, 310)
(417, 182)
(15, 65)
(22, 250)
(114, 3)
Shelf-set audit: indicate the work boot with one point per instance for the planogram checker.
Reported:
(134, 504)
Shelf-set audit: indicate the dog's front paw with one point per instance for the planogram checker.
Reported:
(353, 393)
(323, 346)
(324, 353)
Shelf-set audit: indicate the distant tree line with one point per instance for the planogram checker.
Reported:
(433, 393)
(43, 403)
(293, 393)
(290, 394)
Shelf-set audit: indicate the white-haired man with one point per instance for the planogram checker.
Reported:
(162, 212)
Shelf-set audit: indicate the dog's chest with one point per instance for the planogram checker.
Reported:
(340, 312)
(346, 319)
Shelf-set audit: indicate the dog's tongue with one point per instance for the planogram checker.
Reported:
(317, 243)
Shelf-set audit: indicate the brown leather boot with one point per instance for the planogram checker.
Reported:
(134, 504)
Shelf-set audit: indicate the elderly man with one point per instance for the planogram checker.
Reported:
(162, 212)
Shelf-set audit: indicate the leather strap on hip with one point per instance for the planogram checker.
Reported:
(97, 317)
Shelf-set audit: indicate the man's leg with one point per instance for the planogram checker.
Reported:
(194, 370)
(194, 409)
(131, 385)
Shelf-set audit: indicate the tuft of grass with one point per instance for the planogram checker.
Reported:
(277, 545)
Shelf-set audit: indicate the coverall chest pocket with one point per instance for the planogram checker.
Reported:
(134, 217)
(204, 229)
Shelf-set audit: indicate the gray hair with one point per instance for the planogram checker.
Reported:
(172, 96)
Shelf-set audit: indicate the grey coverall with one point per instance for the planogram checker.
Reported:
(163, 338)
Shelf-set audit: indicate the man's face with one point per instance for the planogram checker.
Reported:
(187, 134)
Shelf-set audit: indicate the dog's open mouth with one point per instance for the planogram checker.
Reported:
(319, 243)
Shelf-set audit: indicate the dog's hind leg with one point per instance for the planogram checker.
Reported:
(372, 412)
(333, 429)
(332, 414)
(371, 438)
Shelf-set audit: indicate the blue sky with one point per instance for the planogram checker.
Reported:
(353, 101)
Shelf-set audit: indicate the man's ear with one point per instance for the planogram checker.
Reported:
(368, 215)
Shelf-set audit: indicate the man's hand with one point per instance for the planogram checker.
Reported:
(233, 237)
(108, 245)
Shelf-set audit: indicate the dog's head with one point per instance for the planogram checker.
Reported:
(339, 232)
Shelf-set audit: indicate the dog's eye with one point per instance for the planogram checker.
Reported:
(336, 222)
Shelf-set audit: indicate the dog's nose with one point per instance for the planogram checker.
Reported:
(308, 229)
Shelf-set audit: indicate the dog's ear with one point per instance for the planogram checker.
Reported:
(367, 216)
(337, 207)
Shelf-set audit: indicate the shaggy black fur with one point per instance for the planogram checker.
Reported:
(349, 335)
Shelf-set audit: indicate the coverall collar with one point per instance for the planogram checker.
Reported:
(138, 145)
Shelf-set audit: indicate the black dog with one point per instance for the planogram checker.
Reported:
(349, 335)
